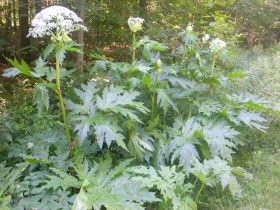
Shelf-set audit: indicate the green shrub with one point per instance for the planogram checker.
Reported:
(177, 117)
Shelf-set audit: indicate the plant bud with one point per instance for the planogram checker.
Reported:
(135, 24)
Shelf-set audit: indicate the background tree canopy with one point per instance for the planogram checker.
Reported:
(244, 22)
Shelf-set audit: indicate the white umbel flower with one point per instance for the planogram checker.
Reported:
(30, 145)
(189, 28)
(217, 45)
(55, 19)
(205, 38)
(135, 24)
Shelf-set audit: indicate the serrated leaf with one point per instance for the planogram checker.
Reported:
(64, 73)
(11, 72)
(48, 50)
(219, 137)
(107, 134)
(61, 180)
(60, 54)
(214, 171)
(117, 100)
(142, 67)
(164, 101)
(208, 107)
(82, 114)
(87, 98)
(23, 67)
(41, 97)
(140, 144)
(40, 69)
(252, 119)
(181, 82)
(167, 180)
(111, 188)
(100, 65)
(185, 152)
(82, 127)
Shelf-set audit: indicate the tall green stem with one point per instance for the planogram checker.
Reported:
(133, 46)
(154, 94)
(61, 103)
(184, 53)
(213, 63)
(199, 192)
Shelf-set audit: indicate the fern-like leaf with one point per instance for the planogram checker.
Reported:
(216, 170)
(117, 100)
(164, 101)
(106, 133)
(112, 189)
(181, 147)
(252, 119)
(41, 97)
(168, 181)
(219, 137)
(82, 114)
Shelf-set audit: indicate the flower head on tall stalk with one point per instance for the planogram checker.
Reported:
(205, 38)
(57, 22)
(189, 28)
(135, 25)
(216, 46)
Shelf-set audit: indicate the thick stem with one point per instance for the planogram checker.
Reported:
(194, 185)
(213, 64)
(199, 192)
(184, 54)
(133, 47)
(61, 103)
(154, 95)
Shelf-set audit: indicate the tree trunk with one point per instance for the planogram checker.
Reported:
(250, 36)
(38, 5)
(143, 4)
(9, 20)
(23, 23)
(15, 15)
(80, 56)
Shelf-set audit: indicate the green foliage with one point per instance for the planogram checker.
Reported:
(169, 183)
(101, 186)
(214, 171)
(41, 97)
(21, 67)
(261, 158)
(9, 179)
(178, 115)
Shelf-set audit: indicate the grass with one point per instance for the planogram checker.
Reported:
(261, 157)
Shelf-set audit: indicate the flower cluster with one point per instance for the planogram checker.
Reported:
(205, 38)
(55, 19)
(135, 23)
(217, 45)
(189, 28)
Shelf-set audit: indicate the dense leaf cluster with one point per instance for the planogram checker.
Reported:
(149, 134)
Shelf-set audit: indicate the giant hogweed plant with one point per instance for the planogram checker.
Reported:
(170, 123)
